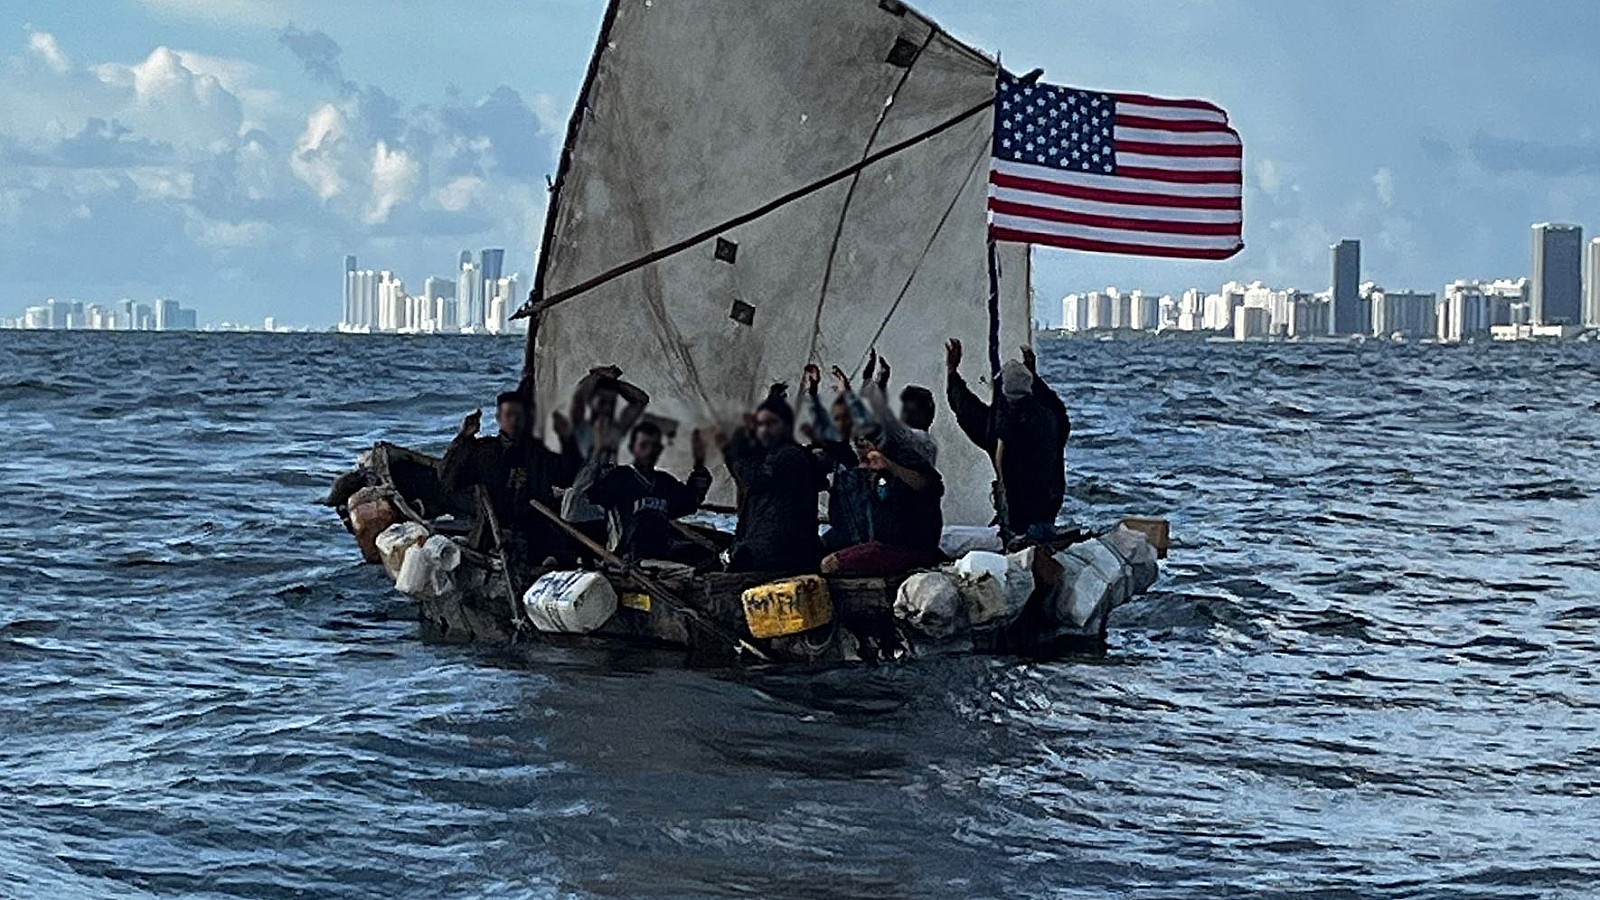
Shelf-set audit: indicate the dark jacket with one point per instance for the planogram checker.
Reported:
(513, 473)
(1035, 431)
(849, 494)
(902, 517)
(777, 530)
(645, 503)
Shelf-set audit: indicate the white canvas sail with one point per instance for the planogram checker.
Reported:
(696, 111)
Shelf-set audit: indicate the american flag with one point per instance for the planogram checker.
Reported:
(1114, 173)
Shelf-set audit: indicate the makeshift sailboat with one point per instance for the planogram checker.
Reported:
(744, 189)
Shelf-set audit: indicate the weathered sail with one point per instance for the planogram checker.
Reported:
(696, 111)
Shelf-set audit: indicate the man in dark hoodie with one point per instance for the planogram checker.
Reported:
(778, 486)
(513, 467)
(645, 500)
(1025, 432)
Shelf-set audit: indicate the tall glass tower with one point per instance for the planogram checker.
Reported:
(1557, 289)
(1349, 310)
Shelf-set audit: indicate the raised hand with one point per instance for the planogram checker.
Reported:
(883, 372)
(811, 378)
(611, 372)
(471, 424)
(872, 366)
(952, 355)
(561, 424)
(1030, 359)
(841, 381)
(697, 448)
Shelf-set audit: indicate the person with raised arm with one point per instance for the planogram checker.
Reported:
(1024, 431)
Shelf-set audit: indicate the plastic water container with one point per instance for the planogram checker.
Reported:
(979, 563)
(787, 607)
(570, 602)
(429, 570)
(394, 542)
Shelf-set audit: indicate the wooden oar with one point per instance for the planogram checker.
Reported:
(656, 588)
(487, 509)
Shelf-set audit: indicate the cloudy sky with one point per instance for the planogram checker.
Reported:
(229, 152)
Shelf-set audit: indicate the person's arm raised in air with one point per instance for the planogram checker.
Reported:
(971, 413)
(636, 399)
(459, 466)
(688, 497)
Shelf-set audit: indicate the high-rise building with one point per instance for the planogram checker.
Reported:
(490, 263)
(348, 318)
(1074, 313)
(1308, 315)
(1099, 313)
(1250, 322)
(1349, 309)
(502, 304)
(469, 297)
(1191, 310)
(166, 315)
(1557, 295)
(1591, 306)
(1406, 314)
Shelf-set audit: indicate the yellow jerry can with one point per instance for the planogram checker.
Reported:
(787, 607)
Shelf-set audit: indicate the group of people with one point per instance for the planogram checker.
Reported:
(878, 467)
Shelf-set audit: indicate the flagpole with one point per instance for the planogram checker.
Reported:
(994, 312)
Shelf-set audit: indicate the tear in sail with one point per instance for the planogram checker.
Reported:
(697, 111)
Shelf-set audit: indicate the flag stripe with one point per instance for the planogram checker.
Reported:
(1113, 196)
(1157, 123)
(1003, 207)
(1168, 103)
(1027, 236)
(1179, 163)
(1126, 135)
(1168, 114)
(1158, 181)
(1168, 148)
(1232, 176)
(1116, 235)
(1100, 208)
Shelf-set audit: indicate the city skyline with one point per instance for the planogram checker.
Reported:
(479, 299)
(1560, 298)
(211, 152)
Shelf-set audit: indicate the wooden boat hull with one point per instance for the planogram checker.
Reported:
(480, 604)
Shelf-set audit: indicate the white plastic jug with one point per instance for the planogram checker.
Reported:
(394, 543)
(570, 602)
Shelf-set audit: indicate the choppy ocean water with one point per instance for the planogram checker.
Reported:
(1371, 668)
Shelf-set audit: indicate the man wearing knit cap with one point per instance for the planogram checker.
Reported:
(778, 487)
(1025, 433)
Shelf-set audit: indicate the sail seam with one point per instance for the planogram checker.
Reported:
(926, 249)
(850, 194)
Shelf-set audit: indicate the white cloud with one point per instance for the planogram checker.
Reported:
(190, 175)
(394, 175)
(315, 161)
(43, 46)
(458, 193)
(1383, 183)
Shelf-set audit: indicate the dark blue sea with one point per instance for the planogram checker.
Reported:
(1371, 667)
